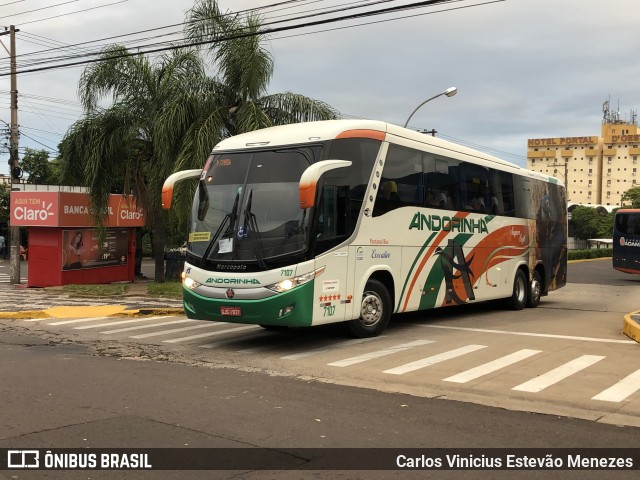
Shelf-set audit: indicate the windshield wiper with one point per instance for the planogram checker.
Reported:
(228, 218)
(252, 224)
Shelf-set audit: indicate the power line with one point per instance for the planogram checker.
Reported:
(72, 13)
(38, 9)
(39, 143)
(11, 3)
(160, 28)
(358, 4)
(233, 36)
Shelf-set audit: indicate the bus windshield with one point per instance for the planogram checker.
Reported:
(247, 209)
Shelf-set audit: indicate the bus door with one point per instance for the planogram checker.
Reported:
(330, 301)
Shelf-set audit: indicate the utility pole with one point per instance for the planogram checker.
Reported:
(14, 232)
(432, 132)
(566, 173)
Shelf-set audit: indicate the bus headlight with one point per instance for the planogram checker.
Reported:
(289, 283)
(190, 282)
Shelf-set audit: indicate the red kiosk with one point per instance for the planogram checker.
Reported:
(64, 246)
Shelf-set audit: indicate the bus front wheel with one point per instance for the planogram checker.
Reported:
(375, 311)
(518, 298)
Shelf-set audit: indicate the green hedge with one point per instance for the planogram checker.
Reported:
(590, 253)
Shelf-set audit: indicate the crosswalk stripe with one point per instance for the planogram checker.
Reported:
(78, 320)
(557, 374)
(426, 362)
(317, 351)
(209, 334)
(174, 330)
(251, 336)
(491, 367)
(144, 327)
(379, 353)
(120, 322)
(621, 390)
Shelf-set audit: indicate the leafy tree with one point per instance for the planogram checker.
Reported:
(124, 140)
(166, 114)
(588, 223)
(631, 198)
(39, 168)
(245, 69)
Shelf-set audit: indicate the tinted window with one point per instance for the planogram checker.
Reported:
(442, 181)
(402, 182)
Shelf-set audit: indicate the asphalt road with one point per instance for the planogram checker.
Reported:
(64, 396)
(67, 384)
(600, 272)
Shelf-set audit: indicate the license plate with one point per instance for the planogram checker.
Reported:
(231, 311)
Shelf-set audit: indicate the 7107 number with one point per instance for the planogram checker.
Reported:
(329, 311)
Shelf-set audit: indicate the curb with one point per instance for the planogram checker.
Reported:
(113, 311)
(631, 326)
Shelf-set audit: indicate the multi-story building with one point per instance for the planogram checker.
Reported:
(596, 170)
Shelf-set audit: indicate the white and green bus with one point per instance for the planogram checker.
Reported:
(354, 220)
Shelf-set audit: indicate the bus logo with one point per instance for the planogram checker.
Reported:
(455, 266)
(234, 281)
(230, 293)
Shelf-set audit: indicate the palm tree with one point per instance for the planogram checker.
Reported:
(245, 67)
(166, 115)
(126, 143)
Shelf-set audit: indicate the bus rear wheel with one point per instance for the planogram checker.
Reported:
(535, 291)
(518, 298)
(375, 311)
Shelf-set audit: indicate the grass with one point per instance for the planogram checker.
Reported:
(106, 290)
(167, 289)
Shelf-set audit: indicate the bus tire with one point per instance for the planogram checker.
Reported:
(535, 291)
(518, 298)
(375, 311)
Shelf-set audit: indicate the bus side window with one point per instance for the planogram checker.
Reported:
(401, 184)
(501, 191)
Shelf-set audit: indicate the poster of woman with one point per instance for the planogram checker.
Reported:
(73, 251)
(86, 249)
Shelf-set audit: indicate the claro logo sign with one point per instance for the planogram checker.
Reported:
(30, 213)
(34, 208)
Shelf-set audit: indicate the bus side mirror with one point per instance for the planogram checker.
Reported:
(167, 187)
(310, 177)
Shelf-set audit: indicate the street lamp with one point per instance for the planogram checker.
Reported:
(449, 92)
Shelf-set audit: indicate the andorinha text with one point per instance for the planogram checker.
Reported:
(234, 281)
(436, 223)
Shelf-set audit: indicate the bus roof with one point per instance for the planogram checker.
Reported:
(331, 129)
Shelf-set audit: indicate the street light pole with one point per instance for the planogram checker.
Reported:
(449, 92)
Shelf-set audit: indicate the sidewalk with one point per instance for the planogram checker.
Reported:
(18, 301)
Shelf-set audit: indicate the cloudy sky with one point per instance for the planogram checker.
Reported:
(523, 68)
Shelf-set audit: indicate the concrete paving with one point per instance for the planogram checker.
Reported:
(18, 301)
